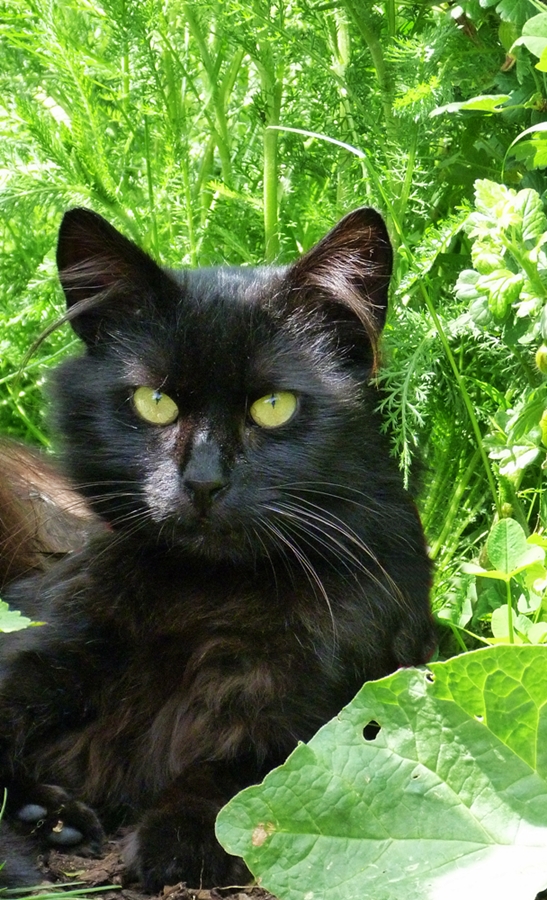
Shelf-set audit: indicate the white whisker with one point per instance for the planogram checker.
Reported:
(308, 568)
(319, 528)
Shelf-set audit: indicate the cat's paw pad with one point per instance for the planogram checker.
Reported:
(32, 813)
(168, 850)
(58, 820)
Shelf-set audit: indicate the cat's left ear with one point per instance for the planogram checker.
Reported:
(104, 275)
(346, 278)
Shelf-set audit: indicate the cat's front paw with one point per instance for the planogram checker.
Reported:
(168, 849)
(48, 813)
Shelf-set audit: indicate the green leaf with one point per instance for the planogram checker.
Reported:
(514, 11)
(534, 34)
(542, 62)
(508, 549)
(528, 602)
(484, 103)
(488, 194)
(450, 796)
(11, 619)
(539, 127)
(503, 287)
(535, 45)
(537, 634)
(466, 285)
(534, 152)
(534, 223)
(500, 622)
(480, 312)
(515, 458)
(457, 604)
(535, 577)
(487, 257)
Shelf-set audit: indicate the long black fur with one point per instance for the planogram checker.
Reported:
(250, 580)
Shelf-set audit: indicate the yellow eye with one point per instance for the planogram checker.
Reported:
(274, 410)
(155, 407)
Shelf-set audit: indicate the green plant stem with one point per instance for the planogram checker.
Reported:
(391, 17)
(459, 640)
(455, 504)
(464, 394)
(271, 77)
(189, 212)
(508, 494)
(441, 476)
(150, 186)
(411, 368)
(211, 68)
(472, 634)
(201, 185)
(409, 175)
(33, 429)
(271, 215)
(125, 76)
(473, 507)
(358, 13)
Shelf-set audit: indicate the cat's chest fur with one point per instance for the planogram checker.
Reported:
(182, 662)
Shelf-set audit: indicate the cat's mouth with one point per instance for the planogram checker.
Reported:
(207, 538)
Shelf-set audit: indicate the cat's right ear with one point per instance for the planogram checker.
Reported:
(345, 279)
(101, 271)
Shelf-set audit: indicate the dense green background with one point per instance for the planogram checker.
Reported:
(157, 116)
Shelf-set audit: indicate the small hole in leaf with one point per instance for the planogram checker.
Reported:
(416, 775)
(370, 731)
(430, 677)
(479, 718)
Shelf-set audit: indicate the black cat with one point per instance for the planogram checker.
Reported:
(262, 559)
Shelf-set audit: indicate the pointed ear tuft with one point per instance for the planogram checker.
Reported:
(346, 276)
(98, 268)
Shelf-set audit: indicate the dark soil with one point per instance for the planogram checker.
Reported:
(109, 870)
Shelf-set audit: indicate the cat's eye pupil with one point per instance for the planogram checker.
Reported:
(275, 409)
(154, 406)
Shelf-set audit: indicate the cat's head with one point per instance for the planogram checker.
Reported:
(210, 404)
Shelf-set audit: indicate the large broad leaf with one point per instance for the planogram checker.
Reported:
(448, 800)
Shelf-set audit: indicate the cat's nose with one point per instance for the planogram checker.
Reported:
(204, 492)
